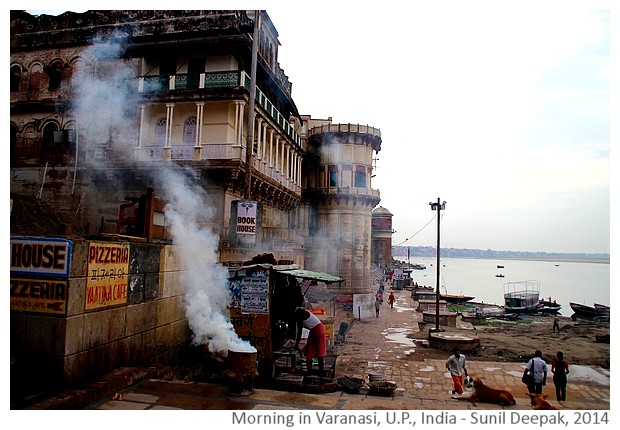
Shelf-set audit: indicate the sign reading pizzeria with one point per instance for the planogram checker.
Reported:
(108, 267)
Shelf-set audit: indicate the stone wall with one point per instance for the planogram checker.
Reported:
(144, 325)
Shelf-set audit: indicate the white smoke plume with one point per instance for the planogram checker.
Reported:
(105, 112)
(204, 279)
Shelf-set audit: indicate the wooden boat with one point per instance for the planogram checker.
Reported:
(522, 297)
(584, 310)
(456, 298)
(589, 312)
(549, 306)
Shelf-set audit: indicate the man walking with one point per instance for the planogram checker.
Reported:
(538, 369)
(378, 302)
(457, 366)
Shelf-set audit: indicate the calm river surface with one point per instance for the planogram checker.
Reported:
(581, 282)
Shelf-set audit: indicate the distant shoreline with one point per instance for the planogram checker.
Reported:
(556, 260)
(490, 254)
(559, 259)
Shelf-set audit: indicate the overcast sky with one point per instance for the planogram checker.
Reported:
(504, 113)
(501, 111)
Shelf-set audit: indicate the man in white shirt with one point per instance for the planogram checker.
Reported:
(457, 366)
(538, 369)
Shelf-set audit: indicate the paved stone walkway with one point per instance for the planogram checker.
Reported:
(373, 345)
(381, 345)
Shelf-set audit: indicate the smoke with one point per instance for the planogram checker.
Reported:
(205, 280)
(105, 113)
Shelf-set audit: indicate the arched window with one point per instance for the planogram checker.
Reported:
(189, 131)
(78, 74)
(160, 132)
(16, 77)
(49, 134)
(36, 73)
(55, 75)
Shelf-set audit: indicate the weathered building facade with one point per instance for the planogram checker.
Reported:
(102, 102)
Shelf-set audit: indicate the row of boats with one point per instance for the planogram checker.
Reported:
(598, 311)
(523, 297)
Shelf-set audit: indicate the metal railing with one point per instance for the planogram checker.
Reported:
(163, 84)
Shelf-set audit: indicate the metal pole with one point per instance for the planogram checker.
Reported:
(438, 259)
(249, 147)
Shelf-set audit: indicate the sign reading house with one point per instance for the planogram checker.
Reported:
(40, 256)
(39, 270)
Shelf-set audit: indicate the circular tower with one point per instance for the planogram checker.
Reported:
(342, 242)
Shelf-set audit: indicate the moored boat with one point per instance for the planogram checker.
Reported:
(589, 312)
(549, 306)
(522, 297)
(456, 298)
(583, 310)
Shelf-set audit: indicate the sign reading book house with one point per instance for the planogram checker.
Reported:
(108, 266)
(244, 222)
(39, 274)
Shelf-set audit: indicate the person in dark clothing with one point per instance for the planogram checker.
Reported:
(559, 368)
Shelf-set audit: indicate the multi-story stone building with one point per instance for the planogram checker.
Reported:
(100, 99)
(103, 105)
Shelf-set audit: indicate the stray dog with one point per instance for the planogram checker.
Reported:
(485, 394)
(538, 402)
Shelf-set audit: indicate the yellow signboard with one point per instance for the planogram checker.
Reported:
(47, 296)
(108, 266)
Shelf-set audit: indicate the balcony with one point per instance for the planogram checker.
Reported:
(167, 84)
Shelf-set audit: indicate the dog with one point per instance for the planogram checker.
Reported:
(485, 394)
(538, 402)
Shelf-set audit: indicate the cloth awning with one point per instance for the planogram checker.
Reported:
(310, 274)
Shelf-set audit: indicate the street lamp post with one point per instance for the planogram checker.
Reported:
(437, 207)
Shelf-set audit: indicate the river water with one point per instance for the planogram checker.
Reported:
(565, 282)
